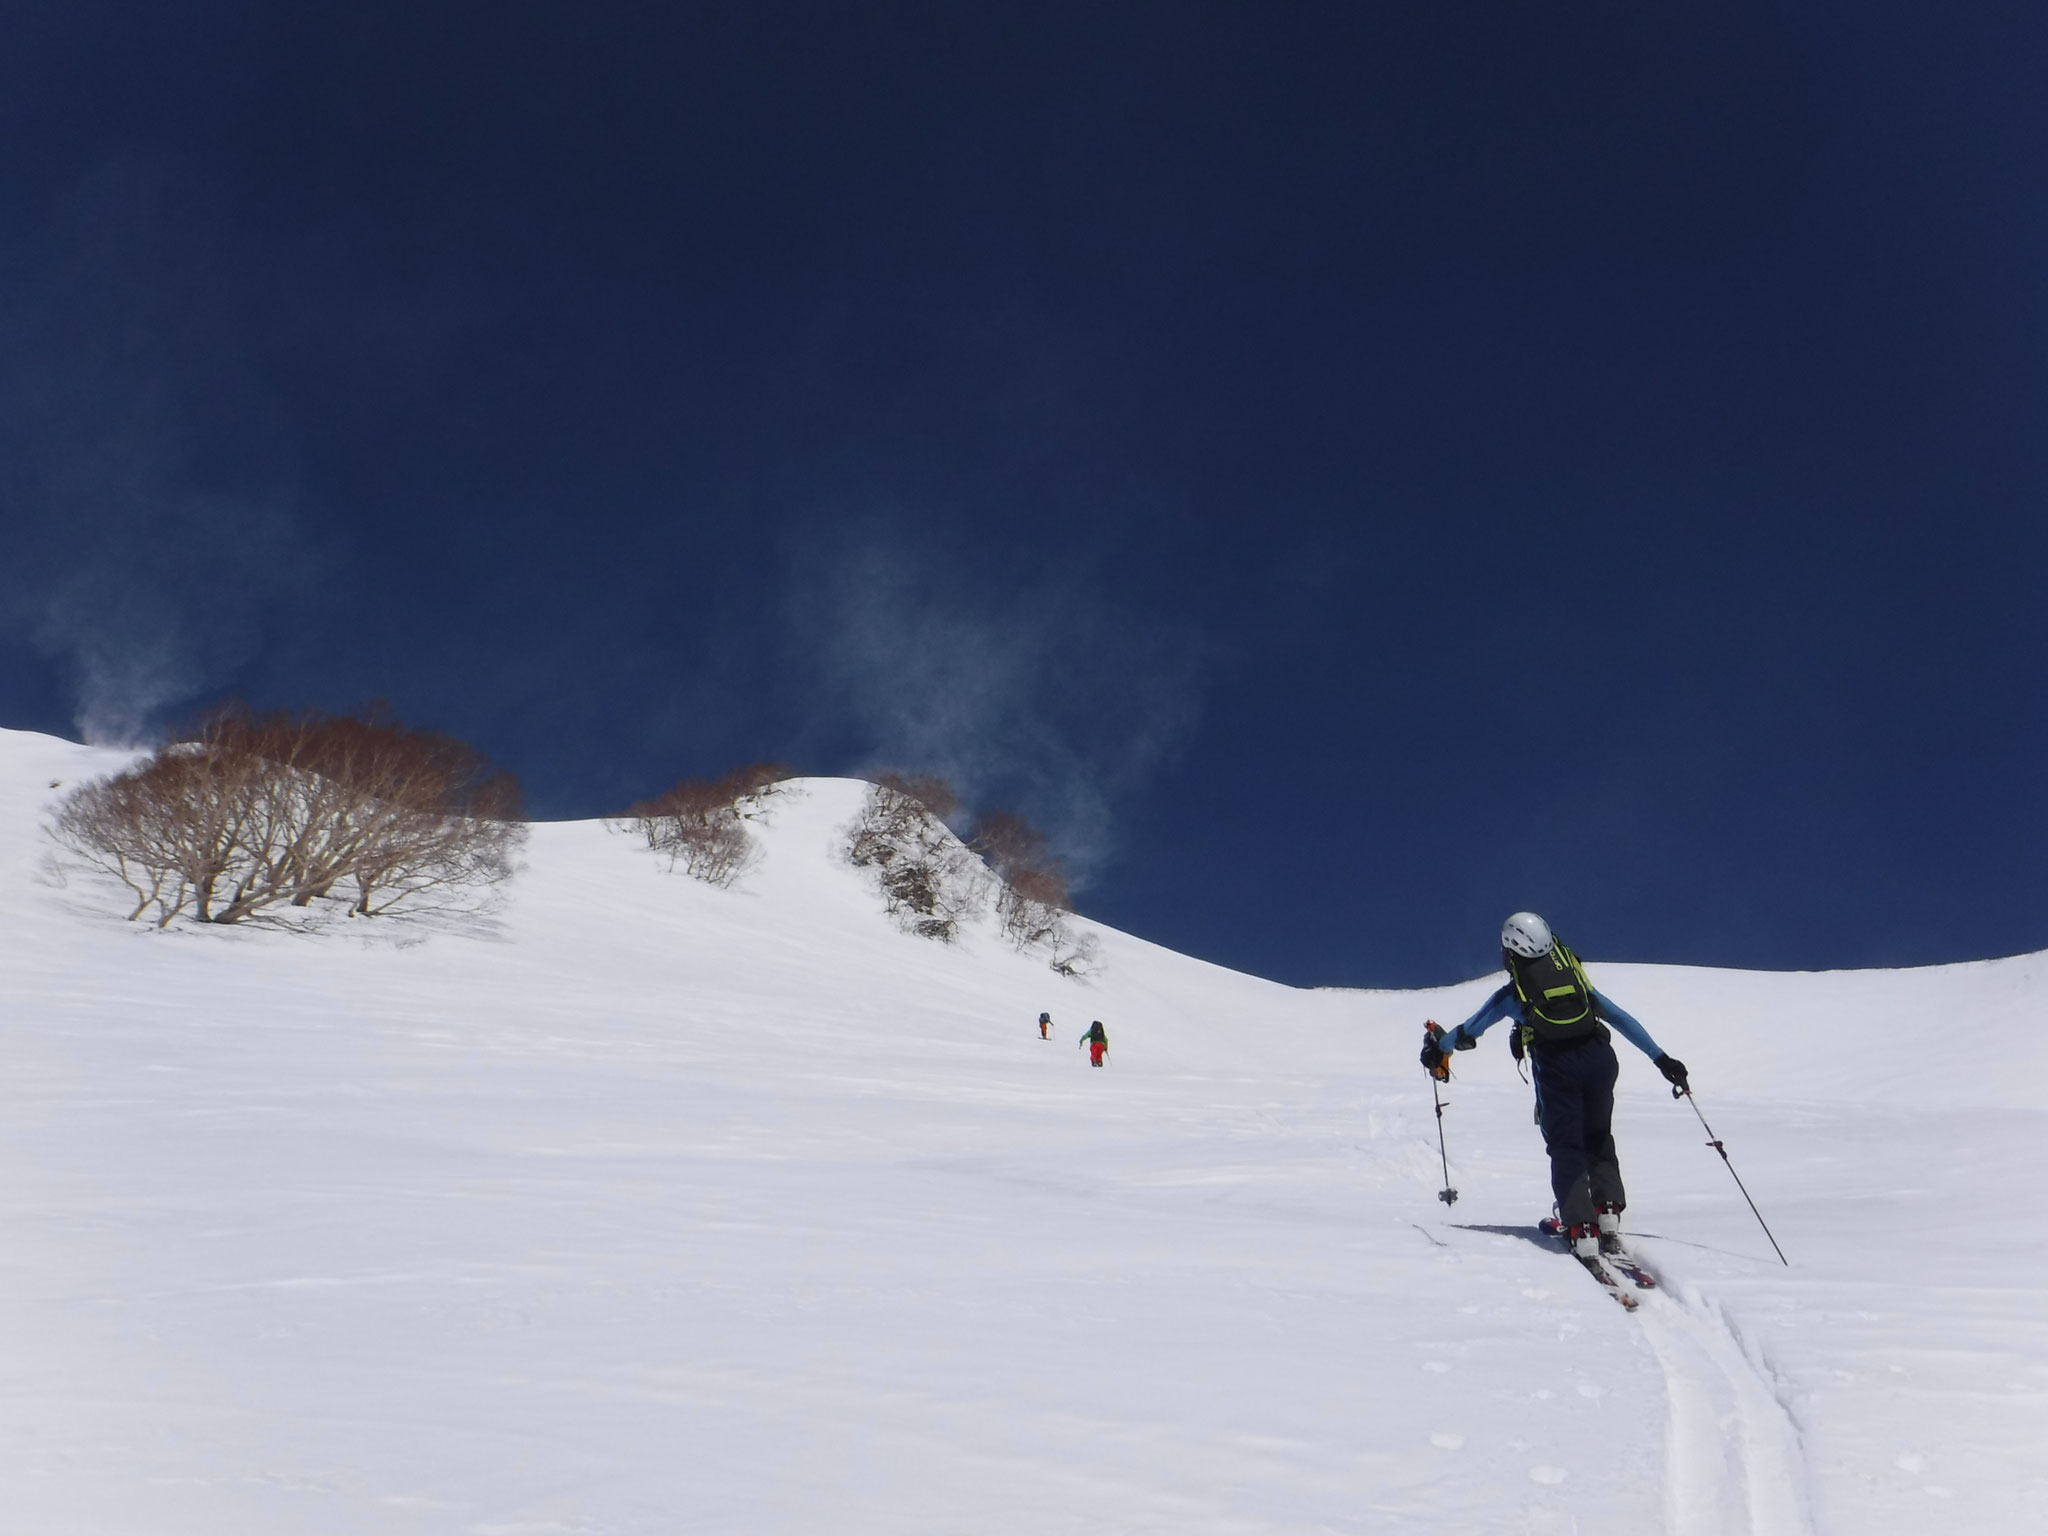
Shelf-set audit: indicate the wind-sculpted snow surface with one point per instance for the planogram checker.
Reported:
(662, 1208)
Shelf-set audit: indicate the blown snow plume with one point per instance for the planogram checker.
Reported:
(1042, 696)
(148, 484)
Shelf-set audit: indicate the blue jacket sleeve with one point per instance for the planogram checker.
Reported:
(1622, 1020)
(1502, 1005)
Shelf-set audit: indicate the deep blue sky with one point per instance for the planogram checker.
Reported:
(1352, 470)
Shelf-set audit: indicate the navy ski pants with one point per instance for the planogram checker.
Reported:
(1575, 1106)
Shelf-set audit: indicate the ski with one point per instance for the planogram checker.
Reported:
(1628, 1265)
(1617, 1257)
(1598, 1268)
(1605, 1276)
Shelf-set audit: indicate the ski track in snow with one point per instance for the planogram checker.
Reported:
(1734, 1463)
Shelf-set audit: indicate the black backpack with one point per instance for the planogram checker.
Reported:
(1557, 1000)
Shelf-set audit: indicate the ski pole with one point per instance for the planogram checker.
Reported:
(1715, 1142)
(1448, 1195)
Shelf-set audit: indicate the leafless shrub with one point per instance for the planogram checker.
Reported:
(1032, 907)
(1033, 898)
(1011, 845)
(932, 794)
(931, 881)
(1075, 954)
(1033, 903)
(252, 812)
(701, 823)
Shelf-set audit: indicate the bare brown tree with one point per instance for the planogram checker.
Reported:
(132, 826)
(254, 811)
(701, 823)
(401, 813)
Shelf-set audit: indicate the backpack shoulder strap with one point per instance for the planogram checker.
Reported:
(1515, 981)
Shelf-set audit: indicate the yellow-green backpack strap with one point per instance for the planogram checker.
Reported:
(1578, 970)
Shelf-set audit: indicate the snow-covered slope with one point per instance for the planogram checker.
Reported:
(656, 1208)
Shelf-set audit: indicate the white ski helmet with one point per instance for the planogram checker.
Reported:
(1527, 935)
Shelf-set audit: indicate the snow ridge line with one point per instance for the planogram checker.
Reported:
(1735, 1463)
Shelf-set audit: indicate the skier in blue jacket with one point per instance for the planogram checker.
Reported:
(1559, 1020)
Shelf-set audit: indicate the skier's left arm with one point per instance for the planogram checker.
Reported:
(1632, 1030)
(1630, 1027)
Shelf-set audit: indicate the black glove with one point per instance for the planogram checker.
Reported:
(1433, 1053)
(1674, 1074)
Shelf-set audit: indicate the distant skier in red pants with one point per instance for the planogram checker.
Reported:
(1097, 1042)
(1045, 1026)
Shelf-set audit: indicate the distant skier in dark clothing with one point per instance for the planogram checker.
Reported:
(1045, 1026)
(1097, 1042)
(1558, 1019)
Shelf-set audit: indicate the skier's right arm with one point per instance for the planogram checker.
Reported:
(1502, 1005)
